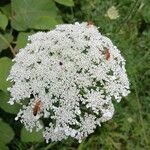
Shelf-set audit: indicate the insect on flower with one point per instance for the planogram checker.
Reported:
(90, 23)
(37, 107)
(107, 53)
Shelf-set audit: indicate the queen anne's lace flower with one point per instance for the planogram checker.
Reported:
(112, 13)
(68, 76)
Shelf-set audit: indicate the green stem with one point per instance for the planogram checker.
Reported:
(139, 109)
(50, 146)
(7, 42)
(132, 10)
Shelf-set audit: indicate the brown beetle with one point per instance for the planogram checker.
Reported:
(90, 23)
(37, 107)
(107, 53)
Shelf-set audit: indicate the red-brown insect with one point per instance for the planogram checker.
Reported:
(90, 23)
(37, 107)
(107, 53)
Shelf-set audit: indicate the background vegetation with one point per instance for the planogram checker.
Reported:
(130, 127)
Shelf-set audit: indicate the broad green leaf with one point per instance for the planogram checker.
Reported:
(5, 65)
(33, 14)
(3, 21)
(45, 22)
(65, 2)
(22, 39)
(6, 9)
(6, 132)
(4, 98)
(3, 146)
(5, 40)
(33, 136)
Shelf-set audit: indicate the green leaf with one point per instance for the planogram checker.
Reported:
(3, 146)
(69, 3)
(6, 132)
(45, 22)
(6, 9)
(146, 13)
(22, 39)
(3, 21)
(33, 136)
(5, 40)
(5, 65)
(4, 97)
(33, 14)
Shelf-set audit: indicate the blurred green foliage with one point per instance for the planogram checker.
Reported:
(130, 127)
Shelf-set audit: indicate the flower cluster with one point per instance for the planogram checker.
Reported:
(68, 76)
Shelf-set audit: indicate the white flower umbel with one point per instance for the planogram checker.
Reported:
(69, 76)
